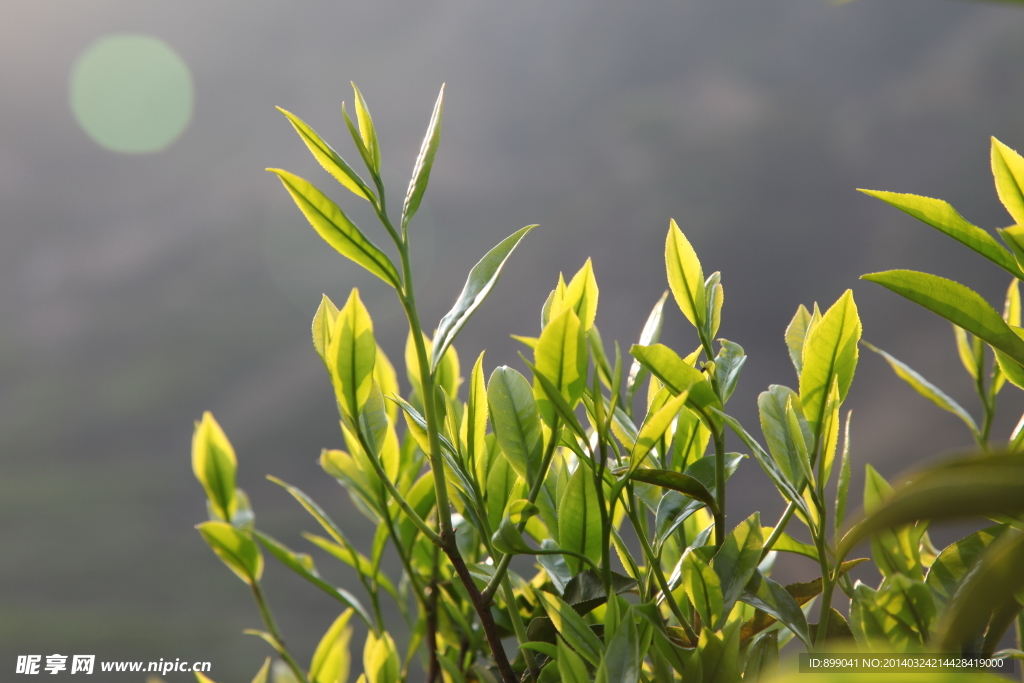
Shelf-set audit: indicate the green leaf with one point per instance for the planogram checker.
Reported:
(908, 601)
(261, 675)
(673, 510)
(843, 486)
(980, 486)
(703, 587)
(925, 388)
(1008, 171)
(585, 591)
(715, 297)
(944, 218)
(323, 324)
(736, 561)
(762, 658)
(771, 598)
(479, 284)
(334, 226)
(214, 464)
(331, 659)
(424, 162)
(329, 159)
(570, 667)
(354, 353)
(728, 363)
(965, 350)
(474, 426)
(896, 551)
(580, 295)
(622, 659)
(768, 465)
(367, 133)
(830, 352)
(571, 627)
(676, 374)
(302, 564)
(508, 539)
(654, 427)
(677, 481)
(788, 451)
(956, 560)
(1013, 237)
(954, 302)
(579, 518)
(500, 481)
(380, 659)
(796, 335)
(561, 357)
(515, 421)
(235, 548)
(685, 276)
(787, 544)
(649, 335)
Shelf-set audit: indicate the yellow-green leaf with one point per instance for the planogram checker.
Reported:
(354, 353)
(334, 226)
(331, 659)
(424, 162)
(235, 548)
(214, 464)
(829, 352)
(329, 159)
(561, 356)
(685, 275)
(1008, 171)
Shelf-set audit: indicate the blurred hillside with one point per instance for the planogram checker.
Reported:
(138, 291)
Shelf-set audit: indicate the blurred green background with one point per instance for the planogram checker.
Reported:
(145, 279)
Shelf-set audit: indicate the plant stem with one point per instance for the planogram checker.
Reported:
(519, 627)
(268, 621)
(655, 566)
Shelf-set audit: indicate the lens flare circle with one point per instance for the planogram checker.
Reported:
(131, 93)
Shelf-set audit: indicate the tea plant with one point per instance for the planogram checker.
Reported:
(460, 477)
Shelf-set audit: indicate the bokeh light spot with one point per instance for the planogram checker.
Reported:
(131, 93)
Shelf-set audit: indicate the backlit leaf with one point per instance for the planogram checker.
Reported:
(424, 162)
(579, 518)
(214, 464)
(829, 352)
(943, 217)
(571, 627)
(331, 659)
(685, 275)
(561, 356)
(954, 302)
(235, 548)
(1008, 171)
(736, 561)
(334, 226)
(515, 421)
(925, 388)
(479, 284)
(329, 159)
(354, 353)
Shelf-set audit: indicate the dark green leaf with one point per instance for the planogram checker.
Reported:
(622, 659)
(728, 363)
(762, 658)
(585, 591)
(683, 483)
(771, 598)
